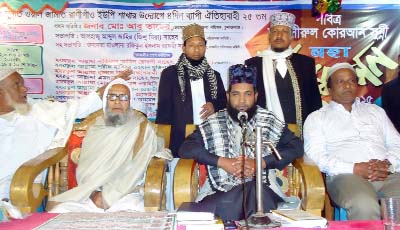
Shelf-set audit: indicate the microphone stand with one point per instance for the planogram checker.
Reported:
(243, 125)
(260, 219)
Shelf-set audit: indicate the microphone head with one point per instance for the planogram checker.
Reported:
(242, 116)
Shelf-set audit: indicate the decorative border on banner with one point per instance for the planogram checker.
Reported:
(27, 6)
(279, 5)
(167, 5)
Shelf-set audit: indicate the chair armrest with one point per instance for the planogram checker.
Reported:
(186, 181)
(25, 194)
(155, 185)
(313, 187)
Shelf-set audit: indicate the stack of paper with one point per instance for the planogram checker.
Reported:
(196, 216)
(298, 218)
(111, 220)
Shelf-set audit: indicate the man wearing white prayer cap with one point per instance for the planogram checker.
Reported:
(29, 129)
(286, 81)
(356, 145)
(112, 165)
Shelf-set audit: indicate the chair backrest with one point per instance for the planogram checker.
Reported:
(289, 178)
(164, 130)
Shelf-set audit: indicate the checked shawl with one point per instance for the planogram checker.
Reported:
(195, 73)
(217, 133)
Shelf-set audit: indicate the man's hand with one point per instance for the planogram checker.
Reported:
(373, 170)
(97, 199)
(362, 169)
(235, 166)
(207, 110)
(229, 165)
(379, 170)
(124, 75)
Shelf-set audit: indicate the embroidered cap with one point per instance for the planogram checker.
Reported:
(4, 73)
(193, 30)
(282, 19)
(341, 65)
(242, 74)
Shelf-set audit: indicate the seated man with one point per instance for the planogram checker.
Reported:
(114, 157)
(217, 143)
(29, 129)
(356, 145)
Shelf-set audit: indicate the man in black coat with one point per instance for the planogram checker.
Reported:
(286, 81)
(190, 90)
(390, 101)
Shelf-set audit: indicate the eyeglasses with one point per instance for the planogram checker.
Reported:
(121, 97)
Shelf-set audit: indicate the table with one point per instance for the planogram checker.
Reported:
(30, 222)
(36, 219)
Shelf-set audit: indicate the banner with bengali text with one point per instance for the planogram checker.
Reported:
(69, 53)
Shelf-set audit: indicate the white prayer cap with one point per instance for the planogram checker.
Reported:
(338, 66)
(4, 73)
(134, 104)
(282, 19)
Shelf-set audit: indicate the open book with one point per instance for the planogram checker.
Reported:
(298, 218)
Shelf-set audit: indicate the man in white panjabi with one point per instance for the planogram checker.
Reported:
(29, 129)
(111, 169)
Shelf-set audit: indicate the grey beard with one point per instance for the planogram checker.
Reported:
(116, 119)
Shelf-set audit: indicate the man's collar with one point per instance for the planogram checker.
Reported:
(275, 55)
(336, 105)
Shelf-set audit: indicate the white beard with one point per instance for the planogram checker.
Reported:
(22, 109)
(19, 108)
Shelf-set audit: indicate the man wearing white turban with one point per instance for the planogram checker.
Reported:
(114, 157)
(28, 129)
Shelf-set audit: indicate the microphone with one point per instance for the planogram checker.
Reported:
(242, 117)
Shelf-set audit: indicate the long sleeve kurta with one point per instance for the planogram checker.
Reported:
(335, 139)
(48, 125)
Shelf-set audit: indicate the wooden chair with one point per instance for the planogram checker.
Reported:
(181, 176)
(28, 196)
(303, 177)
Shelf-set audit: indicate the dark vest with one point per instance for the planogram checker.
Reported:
(286, 96)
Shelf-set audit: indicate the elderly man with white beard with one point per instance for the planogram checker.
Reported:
(114, 157)
(29, 129)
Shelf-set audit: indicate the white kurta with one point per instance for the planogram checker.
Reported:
(198, 99)
(335, 139)
(48, 125)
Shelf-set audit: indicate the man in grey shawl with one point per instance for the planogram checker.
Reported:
(112, 166)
